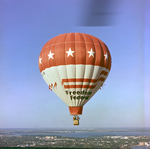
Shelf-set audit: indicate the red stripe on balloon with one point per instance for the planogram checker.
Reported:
(80, 80)
(104, 72)
(79, 86)
(102, 79)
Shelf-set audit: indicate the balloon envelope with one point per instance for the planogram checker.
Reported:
(75, 66)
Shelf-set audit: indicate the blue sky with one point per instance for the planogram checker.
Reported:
(25, 26)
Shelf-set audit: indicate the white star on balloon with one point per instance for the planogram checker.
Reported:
(70, 53)
(50, 55)
(106, 56)
(91, 53)
(40, 60)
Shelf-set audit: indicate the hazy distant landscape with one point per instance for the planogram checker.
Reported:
(73, 137)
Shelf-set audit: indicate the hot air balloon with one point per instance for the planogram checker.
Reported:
(75, 66)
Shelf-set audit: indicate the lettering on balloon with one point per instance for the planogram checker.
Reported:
(77, 95)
